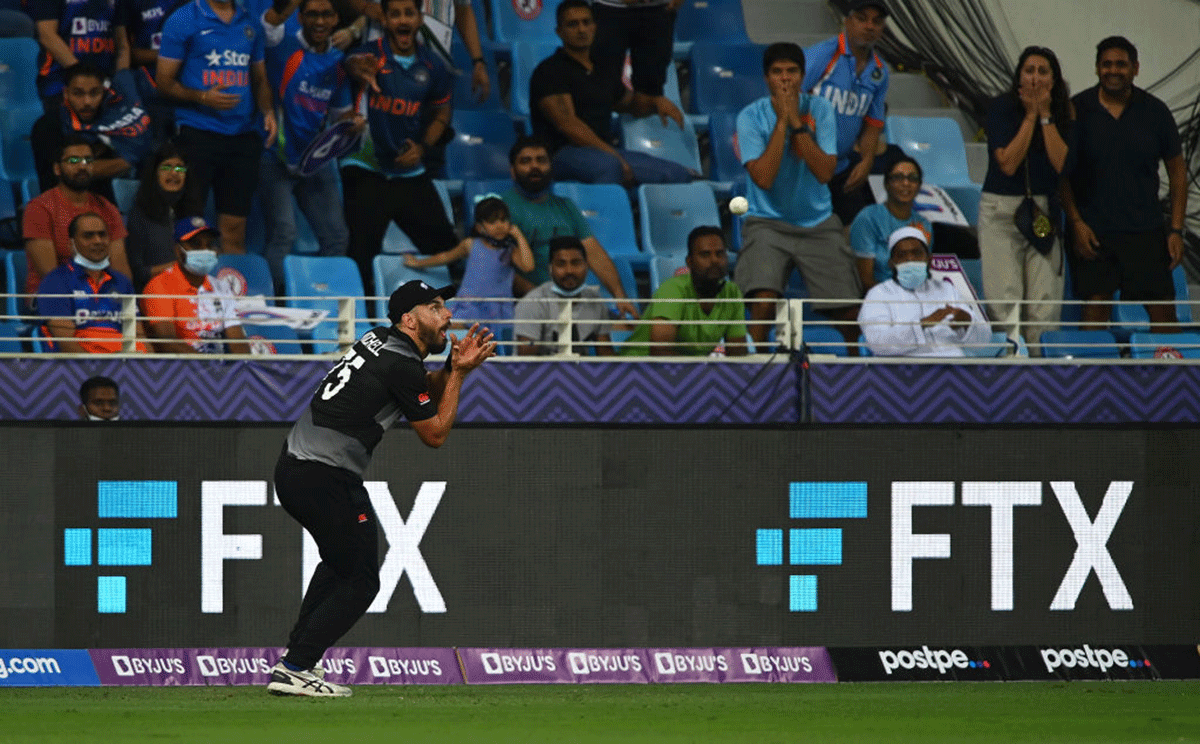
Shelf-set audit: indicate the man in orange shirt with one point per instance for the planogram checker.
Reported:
(186, 314)
(47, 217)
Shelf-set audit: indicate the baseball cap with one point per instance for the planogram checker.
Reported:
(907, 232)
(860, 4)
(413, 293)
(188, 227)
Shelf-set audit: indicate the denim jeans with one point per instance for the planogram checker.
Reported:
(320, 201)
(590, 165)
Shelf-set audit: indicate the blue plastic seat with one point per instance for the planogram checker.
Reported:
(526, 55)
(272, 339)
(718, 21)
(15, 126)
(8, 207)
(1132, 318)
(663, 268)
(248, 270)
(935, 143)
(480, 146)
(725, 77)
(307, 279)
(535, 21)
(18, 72)
(607, 211)
(1079, 344)
(1152, 345)
(998, 344)
(649, 135)
(16, 268)
(823, 339)
(724, 161)
(973, 270)
(967, 199)
(624, 274)
(473, 190)
(390, 272)
(668, 212)
(125, 191)
(10, 338)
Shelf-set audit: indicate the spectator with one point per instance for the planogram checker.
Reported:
(846, 71)
(211, 62)
(151, 219)
(385, 181)
(542, 215)
(572, 96)
(79, 299)
(1111, 200)
(305, 71)
(495, 247)
(1027, 132)
(144, 30)
(538, 328)
(47, 216)
(111, 119)
(874, 225)
(100, 399)
(645, 29)
(788, 145)
(694, 312)
(183, 310)
(70, 32)
(914, 314)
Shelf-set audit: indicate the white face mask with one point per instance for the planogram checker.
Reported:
(87, 264)
(97, 418)
(200, 261)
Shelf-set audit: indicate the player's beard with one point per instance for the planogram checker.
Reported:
(433, 339)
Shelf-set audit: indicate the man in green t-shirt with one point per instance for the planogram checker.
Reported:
(692, 313)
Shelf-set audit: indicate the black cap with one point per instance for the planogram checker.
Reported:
(410, 294)
(854, 5)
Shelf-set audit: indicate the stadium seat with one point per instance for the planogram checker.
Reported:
(536, 22)
(464, 98)
(249, 272)
(10, 338)
(725, 165)
(608, 212)
(967, 199)
(998, 345)
(480, 146)
(1156, 345)
(272, 339)
(624, 274)
(668, 212)
(390, 272)
(308, 278)
(1132, 318)
(909, 90)
(649, 135)
(15, 269)
(973, 270)
(663, 268)
(717, 21)
(18, 72)
(1079, 345)
(473, 190)
(125, 190)
(823, 339)
(396, 241)
(15, 125)
(977, 160)
(937, 144)
(725, 77)
(8, 207)
(526, 55)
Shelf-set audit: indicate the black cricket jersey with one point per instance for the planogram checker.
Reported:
(379, 380)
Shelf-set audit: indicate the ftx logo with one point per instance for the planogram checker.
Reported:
(822, 546)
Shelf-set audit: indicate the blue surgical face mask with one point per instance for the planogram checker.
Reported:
(911, 274)
(100, 265)
(566, 292)
(200, 261)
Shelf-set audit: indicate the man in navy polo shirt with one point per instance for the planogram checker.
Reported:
(846, 71)
(90, 31)
(385, 181)
(1111, 200)
(79, 298)
(211, 60)
(306, 74)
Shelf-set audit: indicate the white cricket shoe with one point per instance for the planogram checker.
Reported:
(284, 681)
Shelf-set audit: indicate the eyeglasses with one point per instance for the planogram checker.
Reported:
(78, 160)
(910, 177)
(176, 168)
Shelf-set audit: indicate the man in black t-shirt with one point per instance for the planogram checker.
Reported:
(572, 97)
(319, 476)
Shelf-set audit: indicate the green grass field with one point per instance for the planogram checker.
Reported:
(933, 712)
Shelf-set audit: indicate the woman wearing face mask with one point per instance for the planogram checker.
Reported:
(151, 219)
(1028, 136)
(913, 314)
(183, 311)
(874, 224)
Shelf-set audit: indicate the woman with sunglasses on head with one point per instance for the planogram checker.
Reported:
(151, 219)
(1028, 139)
(873, 226)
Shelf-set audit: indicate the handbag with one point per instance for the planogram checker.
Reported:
(1032, 222)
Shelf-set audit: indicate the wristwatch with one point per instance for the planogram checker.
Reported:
(1046, 120)
(478, 61)
(802, 129)
(1175, 231)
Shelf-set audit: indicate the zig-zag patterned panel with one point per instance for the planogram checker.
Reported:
(41, 389)
(1093, 394)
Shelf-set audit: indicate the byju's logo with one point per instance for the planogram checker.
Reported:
(120, 546)
(811, 546)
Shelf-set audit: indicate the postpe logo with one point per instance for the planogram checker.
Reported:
(941, 660)
(1087, 657)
